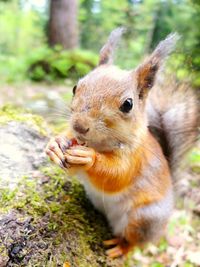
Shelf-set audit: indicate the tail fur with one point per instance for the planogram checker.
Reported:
(174, 120)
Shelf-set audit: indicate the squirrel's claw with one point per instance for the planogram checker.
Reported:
(53, 150)
(111, 242)
(115, 252)
(53, 146)
(121, 247)
(53, 157)
(62, 152)
(64, 143)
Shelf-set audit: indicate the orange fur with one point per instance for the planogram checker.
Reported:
(161, 181)
(114, 172)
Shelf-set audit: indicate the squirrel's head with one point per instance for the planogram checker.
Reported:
(107, 110)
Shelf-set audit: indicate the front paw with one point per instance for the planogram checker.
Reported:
(57, 147)
(80, 156)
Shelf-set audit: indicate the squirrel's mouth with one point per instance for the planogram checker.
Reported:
(84, 142)
(80, 140)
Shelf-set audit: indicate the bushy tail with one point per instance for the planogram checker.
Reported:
(173, 114)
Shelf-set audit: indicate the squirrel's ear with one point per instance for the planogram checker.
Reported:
(107, 51)
(146, 72)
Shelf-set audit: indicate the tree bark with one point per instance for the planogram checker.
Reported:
(63, 26)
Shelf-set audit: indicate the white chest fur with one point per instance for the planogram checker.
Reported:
(116, 207)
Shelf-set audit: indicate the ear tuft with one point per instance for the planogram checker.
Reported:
(165, 47)
(106, 53)
(146, 72)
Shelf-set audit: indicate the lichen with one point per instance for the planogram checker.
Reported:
(10, 113)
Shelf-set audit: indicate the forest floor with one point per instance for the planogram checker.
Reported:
(181, 247)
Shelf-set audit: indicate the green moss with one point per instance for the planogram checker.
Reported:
(3, 251)
(75, 229)
(10, 113)
(6, 196)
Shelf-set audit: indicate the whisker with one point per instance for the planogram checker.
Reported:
(63, 110)
(56, 117)
(60, 114)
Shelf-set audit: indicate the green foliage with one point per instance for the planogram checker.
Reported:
(147, 23)
(12, 68)
(24, 48)
(48, 64)
(19, 29)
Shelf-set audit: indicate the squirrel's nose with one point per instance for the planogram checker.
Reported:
(80, 129)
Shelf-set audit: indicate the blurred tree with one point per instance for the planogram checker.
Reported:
(63, 26)
(24, 23)
(20, 29)
(100, 17)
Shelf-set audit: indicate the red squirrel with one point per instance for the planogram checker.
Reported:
(128, 129)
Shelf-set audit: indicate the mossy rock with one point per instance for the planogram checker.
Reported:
(45, 217)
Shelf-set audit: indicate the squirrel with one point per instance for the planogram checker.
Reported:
(128, 130)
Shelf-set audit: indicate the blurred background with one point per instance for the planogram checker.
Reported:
(55, 41)
(47, 43)
(50, 41)
(45, 46)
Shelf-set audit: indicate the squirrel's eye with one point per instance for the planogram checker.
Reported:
(74, 89)
(127, 105)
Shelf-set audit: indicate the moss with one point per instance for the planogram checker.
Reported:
(73, 229)
(3, 251)
(10, 113)
(79, 220)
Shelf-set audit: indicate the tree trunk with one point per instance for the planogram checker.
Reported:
(63, 26)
